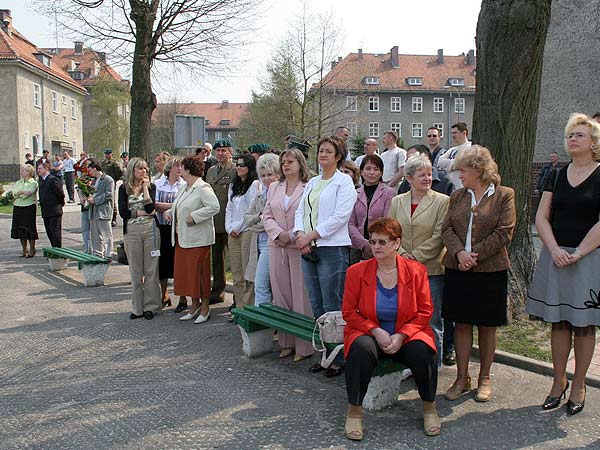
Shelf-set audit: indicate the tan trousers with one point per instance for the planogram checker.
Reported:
(140, 240)
(239, 253)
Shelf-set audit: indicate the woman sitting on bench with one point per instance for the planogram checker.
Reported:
(387, 308)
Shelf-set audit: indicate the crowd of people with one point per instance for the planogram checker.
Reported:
(411, 246)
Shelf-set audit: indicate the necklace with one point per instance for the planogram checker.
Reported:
(386, 271)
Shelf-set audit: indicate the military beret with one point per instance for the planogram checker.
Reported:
(124, 155)
(107, 151)
(222, 143)
(258, 148)
(300, 144)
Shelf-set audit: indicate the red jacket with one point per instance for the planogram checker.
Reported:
(414, 302)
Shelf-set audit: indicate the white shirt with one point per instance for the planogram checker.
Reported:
(446, 163)
(393, 160)
(238, 206)
(489, 192)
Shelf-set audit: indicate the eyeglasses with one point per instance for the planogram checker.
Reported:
(577, 136)
(380, 242)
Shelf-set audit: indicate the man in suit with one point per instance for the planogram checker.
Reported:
(52, 200)
(219, 177)
(101, 213)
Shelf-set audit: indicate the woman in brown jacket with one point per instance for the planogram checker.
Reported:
(477, 229)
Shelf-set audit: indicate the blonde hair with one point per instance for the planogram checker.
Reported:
(172, 161)
(577, 119)
(268, 162)
(129, 179)
(416, 162)
(479, 158)
(30, 169)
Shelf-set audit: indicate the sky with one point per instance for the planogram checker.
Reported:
(420, 27)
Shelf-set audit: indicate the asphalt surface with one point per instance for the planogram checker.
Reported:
(75, 373)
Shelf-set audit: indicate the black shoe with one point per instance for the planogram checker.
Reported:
(214, 299)
(132, 316)
(167, 302)
(450, 358)
(334, 372)
(575, 407)
(148, 315)
(553, 402)
(180, 307)
(317, 367)
(113, 223)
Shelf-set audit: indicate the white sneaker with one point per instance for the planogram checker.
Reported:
(191, 315)
(202, 319)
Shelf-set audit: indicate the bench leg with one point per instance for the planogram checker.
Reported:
(383, 390)
(257, 342)
(57, 264)
(93, 274)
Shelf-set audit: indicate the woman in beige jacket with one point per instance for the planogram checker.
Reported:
(421, 212)
(192, 234)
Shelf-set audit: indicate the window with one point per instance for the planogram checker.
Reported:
(73, 109)
(459, 105)
(218, 135)
(74, 147)
(352, 128)
(417, 104)
(456, 82)
(373, 129)
(440, 126)
(373, 103)
(64, 99)
(65, 126)
(371, 80)
(438, 105)
(395, 104)
(77, 75)
(231, 134)
(397, 127)
(351, 104)
(225, 122)
(414, 81)
(54, 102)
(37, 98)
(26, 139)
(417, 130)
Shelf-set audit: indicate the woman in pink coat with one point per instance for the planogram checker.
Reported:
(285, 268)
(373, 202)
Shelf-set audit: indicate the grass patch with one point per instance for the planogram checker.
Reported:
(526, 338)
(6, 209)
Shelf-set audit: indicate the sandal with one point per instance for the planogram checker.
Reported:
(334, 371)
(456, 390)
(353, 429)
(432, 424)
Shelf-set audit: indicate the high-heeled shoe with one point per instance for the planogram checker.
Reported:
(31, 254)
(553, 402)
(575, 407)
(353, 429)
(181, 306)
(191, 315)
(456, 391)
(166, 302)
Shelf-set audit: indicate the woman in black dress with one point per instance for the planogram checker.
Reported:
(566, 285)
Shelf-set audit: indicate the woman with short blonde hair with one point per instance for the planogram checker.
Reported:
(24, 210)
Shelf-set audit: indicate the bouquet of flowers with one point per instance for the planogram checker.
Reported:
(85, 185)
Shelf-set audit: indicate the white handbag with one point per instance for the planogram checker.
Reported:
(330, 329)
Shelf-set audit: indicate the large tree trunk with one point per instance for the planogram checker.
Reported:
(143, 100)
(510, 47)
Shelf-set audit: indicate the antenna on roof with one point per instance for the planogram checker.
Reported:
(56, 27)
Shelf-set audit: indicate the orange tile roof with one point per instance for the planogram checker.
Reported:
(350, 72)
(214, 112)
(16, 48)
(86, 59)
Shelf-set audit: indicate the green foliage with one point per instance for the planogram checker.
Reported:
(7, 199)
(400, 143)
(108, 98)
(357, 145)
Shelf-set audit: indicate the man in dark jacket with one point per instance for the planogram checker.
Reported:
(113, 169)
(545, 172)
(52, 200)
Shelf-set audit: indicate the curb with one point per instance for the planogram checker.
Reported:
(533, 365)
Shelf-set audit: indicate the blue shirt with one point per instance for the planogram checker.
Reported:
(387, 307)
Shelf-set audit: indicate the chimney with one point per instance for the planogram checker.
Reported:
(440, 57)
(224, 104)
(339, 59)
(394, 58)
(360, 53)
(78, 48)
(333, 64)
(102, 57)
(470, 59)
(6, 21)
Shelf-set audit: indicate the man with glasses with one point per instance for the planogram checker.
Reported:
(433, 142)
(219, 177)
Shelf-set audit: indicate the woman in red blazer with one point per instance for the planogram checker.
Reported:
(387, 308)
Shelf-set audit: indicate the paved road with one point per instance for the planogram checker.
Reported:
(76, 374)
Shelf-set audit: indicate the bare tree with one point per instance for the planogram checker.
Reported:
(511, 35)
(201, 35)
(162, 136)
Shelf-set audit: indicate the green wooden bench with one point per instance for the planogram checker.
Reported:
(93, 267)
(257, 323)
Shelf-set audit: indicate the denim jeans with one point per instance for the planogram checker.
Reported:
(436, 286)
(262, 282)
(325, 282)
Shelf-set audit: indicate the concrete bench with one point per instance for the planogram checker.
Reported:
(256, 324)
(93, 267)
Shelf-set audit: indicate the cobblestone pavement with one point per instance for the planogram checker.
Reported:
(76, 374)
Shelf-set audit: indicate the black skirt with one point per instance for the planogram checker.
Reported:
(476, 298)
(167, 253)
(23, 223)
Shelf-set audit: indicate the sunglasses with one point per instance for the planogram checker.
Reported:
(432, 135)
(240, 164)
(380, 242)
